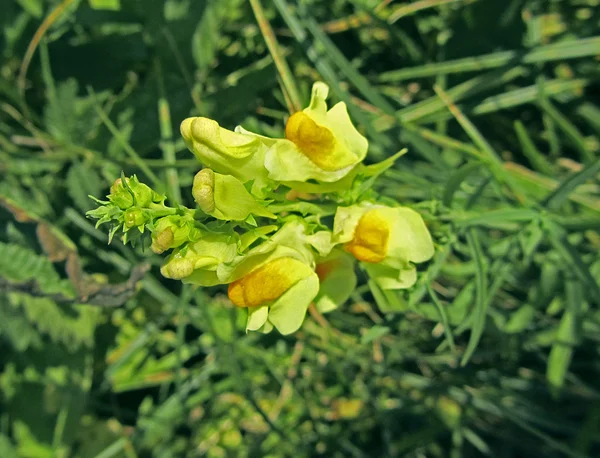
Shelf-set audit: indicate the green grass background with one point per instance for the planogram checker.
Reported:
(495, 351)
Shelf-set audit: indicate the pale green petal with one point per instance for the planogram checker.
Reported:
(392, 278)
(266, 140)
(409, 239)
(338, 121)
(287, 313)
(338, 284)
(318, 97)
(203, 278)
(257, 317)
(267, 327)
(208, 133)
(322, 242)
(196, 262)
(285, 162)
(232, 202)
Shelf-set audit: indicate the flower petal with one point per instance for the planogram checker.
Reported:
(337, 281)
(288, 312)
(391, 278)
(410, 239)
(257, 317)
(268, 282)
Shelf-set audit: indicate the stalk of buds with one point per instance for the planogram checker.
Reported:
(277, 255)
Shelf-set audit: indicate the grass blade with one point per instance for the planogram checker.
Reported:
(443, 318)
(571, 49)
(572, 259)
(571, 132)
(562, 193)
(567, 337)
(481, 304)
(285, 73)
(537, 159)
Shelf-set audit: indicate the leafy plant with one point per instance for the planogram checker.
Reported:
(493, 350)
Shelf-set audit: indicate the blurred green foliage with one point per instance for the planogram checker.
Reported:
(494, 352)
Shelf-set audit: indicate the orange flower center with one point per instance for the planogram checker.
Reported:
(315, 141)
(267, 283)
(370, 238)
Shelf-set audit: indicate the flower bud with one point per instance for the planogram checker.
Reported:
(225, 197)
(177, 268)
(123, 195)
(172, 231)
(203, 190)
(134, 217)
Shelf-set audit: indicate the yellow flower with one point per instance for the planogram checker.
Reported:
(276, 292)
(320, 144)
(388, 240)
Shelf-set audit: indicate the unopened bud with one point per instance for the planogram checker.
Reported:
(134, 217)
(171, 232)
(203, 190)
(177, 268)
(162, 241)
(121, 193)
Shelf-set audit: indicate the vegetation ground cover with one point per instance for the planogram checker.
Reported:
(494, 351)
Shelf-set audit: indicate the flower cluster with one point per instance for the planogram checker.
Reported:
(282, 222)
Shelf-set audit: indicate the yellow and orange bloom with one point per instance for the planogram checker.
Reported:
(387, 240)
(275, 281)
(276, 293)
(320, 144)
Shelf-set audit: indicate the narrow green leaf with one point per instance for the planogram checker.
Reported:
(443, 318)
(572, 258)
(569, 129)
(481, 304)
(557, 197)
(374, 333)
(456, 179)
(567, 337)
(559, 51)
(536, 158)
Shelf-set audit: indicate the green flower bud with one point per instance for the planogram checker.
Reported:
(203, 190)
(134, 217)
(177, 268)
(196, 262)
(238, 153)
(225, 197)
(173, 231)
(121, 196)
